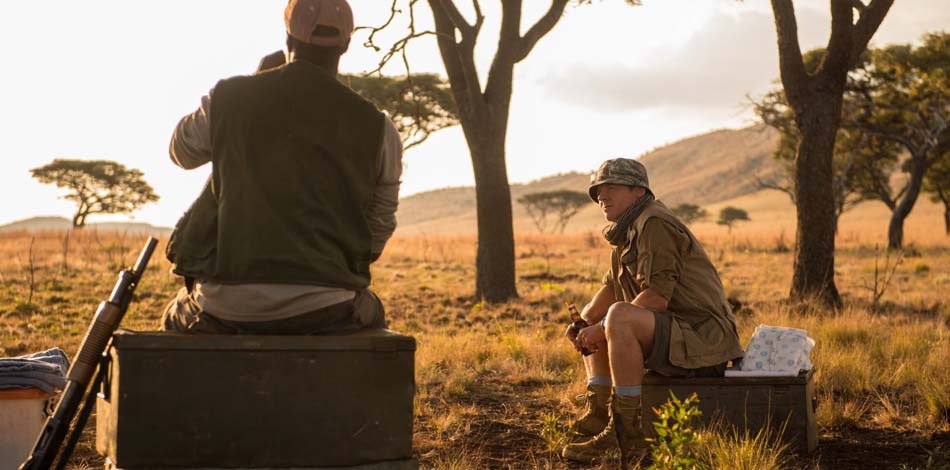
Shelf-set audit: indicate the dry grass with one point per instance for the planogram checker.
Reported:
(495, 381)
(744, 450)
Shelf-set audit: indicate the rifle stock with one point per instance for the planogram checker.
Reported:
(87, 360)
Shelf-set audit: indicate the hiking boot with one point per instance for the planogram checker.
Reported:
(625, 413)
(623, 432)
(596, 416)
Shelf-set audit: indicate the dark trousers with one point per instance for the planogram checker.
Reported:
(183, 314)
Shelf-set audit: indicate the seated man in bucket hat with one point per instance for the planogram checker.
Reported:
(662, 307)
(302, 197)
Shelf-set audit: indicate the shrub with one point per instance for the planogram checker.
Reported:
(677, 439)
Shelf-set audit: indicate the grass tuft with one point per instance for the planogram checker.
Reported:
(735, 450)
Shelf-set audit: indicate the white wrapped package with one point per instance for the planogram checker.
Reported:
(775, 351)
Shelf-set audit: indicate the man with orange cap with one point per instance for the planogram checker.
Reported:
(302, 196)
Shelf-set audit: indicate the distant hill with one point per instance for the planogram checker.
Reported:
(705, 169)
(713, 167)
(35, 224)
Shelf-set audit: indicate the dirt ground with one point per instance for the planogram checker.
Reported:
(506, 437)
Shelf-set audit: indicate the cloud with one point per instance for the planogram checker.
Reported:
(728, 58)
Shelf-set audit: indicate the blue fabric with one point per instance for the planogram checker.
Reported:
(631, 391)
(45, 370)
(600, 380)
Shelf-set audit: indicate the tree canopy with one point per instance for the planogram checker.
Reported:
(689, 213)
(896, 109)
(418, 104)
(97, 186)
(901, 98)
(729, 215)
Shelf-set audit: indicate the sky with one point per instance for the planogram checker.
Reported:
(110, 79)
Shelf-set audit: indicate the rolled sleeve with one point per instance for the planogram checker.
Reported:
(381, 213)
(190, 145)
(660, 248)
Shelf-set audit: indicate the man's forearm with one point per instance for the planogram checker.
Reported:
(190, 145)
(596, 310)
(651, 300)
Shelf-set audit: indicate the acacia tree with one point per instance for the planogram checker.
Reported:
(97, 186)
(729, 215)
(904, 100)
(483, 112)
(418, 104)
(689, 213)
(816, 101)
(852, 158)
(563, 204)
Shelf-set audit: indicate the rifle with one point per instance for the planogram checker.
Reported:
(86, 363)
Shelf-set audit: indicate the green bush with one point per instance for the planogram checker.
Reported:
(677, 440)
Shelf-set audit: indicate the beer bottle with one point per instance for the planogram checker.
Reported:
(576, 324)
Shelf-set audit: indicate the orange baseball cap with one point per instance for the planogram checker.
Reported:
(303, 16)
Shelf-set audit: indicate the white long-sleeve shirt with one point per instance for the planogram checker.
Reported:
(190, 148)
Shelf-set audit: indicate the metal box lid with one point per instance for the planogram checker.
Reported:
(653, 378)
(366, 340)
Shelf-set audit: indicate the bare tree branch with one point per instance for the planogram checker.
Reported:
(761, 183)
(868, 23)
(794, 76)
(393, 11)
(542, 27)
(839, 48)
(458, 20)
(479, 17)
(458, 58)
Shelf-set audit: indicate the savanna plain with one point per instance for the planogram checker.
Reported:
(498, 384)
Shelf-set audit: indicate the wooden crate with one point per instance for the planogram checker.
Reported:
(239, 401)
(746, 403)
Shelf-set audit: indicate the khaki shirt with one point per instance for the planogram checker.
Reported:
(662, 254)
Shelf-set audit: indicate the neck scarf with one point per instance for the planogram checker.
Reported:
(616, 233)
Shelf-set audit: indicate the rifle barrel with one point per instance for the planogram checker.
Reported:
(84, 366)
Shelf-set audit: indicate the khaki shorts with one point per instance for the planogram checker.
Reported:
(659, 359)
(365, 311)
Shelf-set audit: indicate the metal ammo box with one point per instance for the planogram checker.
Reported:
(173, 401)
(744, 403)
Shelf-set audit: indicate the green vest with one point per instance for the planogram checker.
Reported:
(295, 158)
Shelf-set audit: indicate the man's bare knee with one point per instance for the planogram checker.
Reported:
(624, 318)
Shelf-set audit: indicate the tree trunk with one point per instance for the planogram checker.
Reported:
(495, 260)
(945, 199)
(816, 100)
(484, 119)
(79, 220)
(815, 230)
(895, 230)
